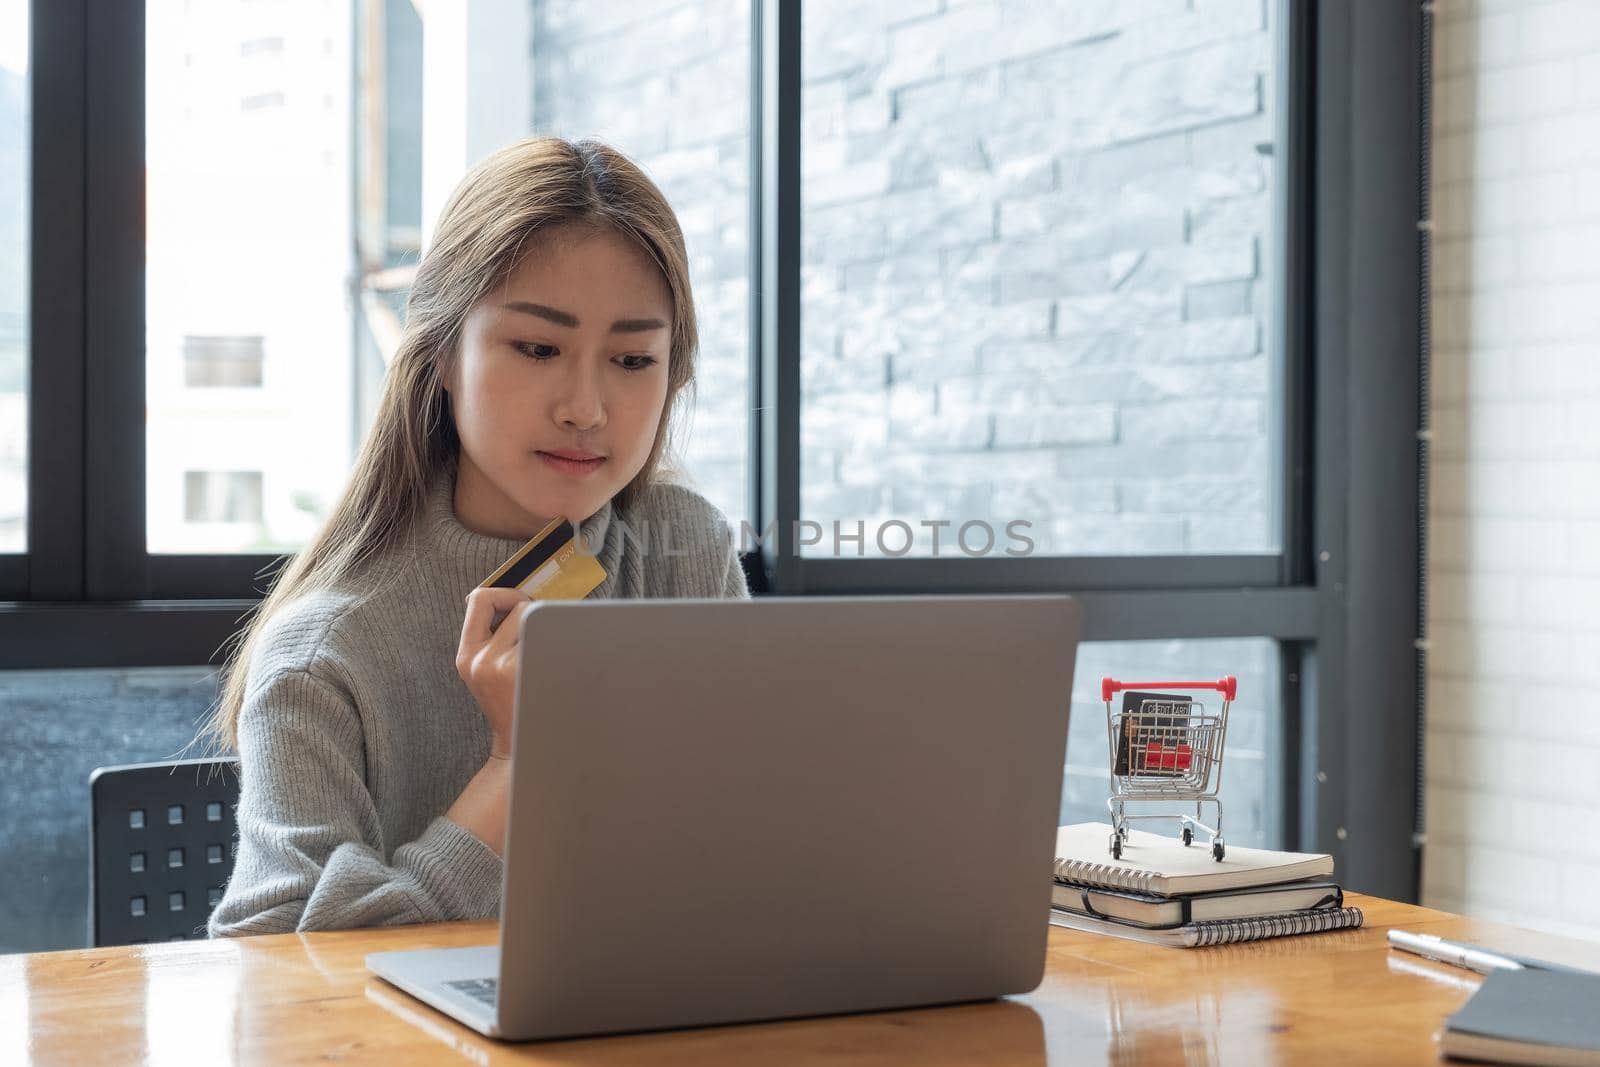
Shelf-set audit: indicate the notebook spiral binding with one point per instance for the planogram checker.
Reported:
(1228, 931)
(1104, 875)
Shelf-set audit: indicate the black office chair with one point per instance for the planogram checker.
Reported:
(161, 848)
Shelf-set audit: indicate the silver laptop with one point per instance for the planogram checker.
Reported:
(725, 811)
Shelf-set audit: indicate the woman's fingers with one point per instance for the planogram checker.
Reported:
(485, 609)
(509, 633)
(486, 658)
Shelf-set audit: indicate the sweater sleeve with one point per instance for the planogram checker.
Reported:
(310, 854)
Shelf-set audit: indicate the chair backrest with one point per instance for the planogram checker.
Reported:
(161, 847)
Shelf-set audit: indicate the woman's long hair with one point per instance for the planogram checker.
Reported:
(492, 219)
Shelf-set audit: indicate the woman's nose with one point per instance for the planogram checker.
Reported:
(582, 403)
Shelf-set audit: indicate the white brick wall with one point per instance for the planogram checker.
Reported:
(1513, 740)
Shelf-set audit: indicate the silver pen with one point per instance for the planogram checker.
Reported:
(1469, 956)
(1451, 952)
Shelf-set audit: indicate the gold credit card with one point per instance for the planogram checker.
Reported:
(549, 567)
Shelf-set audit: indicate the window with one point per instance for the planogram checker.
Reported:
(248, 251)
(357, 143)
(1011, 265)
(221, 361)
(222, 496)
(1036, 282)
(60, 726)
(261, 46)
(14, 252)
(261, 101)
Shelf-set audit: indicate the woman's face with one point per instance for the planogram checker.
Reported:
(567, 359)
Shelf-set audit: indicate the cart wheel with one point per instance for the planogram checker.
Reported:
(1116, 846)
(1188, 837)
(1218, 851)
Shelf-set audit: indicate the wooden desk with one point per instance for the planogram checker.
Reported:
(1340, 997)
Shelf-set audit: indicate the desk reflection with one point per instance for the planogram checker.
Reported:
(191, 1012)
(999, 1031)
(1121, 1003)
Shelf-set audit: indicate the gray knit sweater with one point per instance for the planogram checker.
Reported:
(357, 734)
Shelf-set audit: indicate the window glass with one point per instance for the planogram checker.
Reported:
(60, 726)
(298, 155)
(1036, 278)
(251, 343)
(14, 252)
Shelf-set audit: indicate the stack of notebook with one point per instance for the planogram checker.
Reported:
(1165, 893)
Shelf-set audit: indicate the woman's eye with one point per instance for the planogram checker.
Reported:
(638, 362)
(540, 352)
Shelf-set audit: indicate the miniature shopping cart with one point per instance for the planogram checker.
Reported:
(1165, 748)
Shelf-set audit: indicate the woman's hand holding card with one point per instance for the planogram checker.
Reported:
(487, 658)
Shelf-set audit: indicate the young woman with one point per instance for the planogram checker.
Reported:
(549, 337)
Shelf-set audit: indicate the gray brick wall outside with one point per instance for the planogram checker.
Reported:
(1033, 269)
(1034, 240)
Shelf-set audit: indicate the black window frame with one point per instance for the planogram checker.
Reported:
(1341, 597)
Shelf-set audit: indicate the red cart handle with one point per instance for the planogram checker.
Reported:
(1228, 686)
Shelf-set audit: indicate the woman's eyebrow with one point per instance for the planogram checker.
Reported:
(565, 318)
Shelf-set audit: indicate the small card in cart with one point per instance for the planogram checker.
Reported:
(1152, 740)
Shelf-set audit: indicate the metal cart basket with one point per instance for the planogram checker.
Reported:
(1166, 748)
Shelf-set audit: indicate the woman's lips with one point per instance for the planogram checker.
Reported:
(576, 467)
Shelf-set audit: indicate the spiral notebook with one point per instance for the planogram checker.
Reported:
(1164, 866)
(1219, 932)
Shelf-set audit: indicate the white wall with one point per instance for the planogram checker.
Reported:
(1513, 740)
